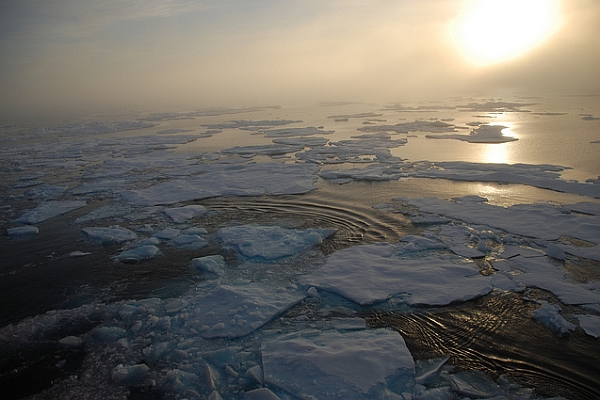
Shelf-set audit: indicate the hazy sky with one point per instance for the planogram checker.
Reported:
(68, 56)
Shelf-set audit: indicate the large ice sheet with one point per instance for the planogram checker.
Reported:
(269, 243)
(334, 365)
(236, 180)
(371, 273)
(542, 176)
(235, 311)
(49, 209)
(544, 221)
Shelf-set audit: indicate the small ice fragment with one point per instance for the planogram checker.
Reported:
(348, 324)
(256, 374)
(271, 242)
(590, 324)
(129, 374)
(181, 215)
(188, 242)
(78, 253)
(474, 384)
(109, 334)
(167, 234)
(22, 232)
(549, 316)
(70, 341)
(108, 235)
(215, 396)
(139, 253)
(312, 292)
(428, 370)
(554, 251)
(210, 264)
(195, 231)
(261, 394)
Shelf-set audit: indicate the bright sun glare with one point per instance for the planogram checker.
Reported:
(492, 31)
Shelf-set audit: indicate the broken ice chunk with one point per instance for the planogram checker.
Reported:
(129, 374)
(108, 235)
(271, 242)
(549, 316)
(22, 232)
(337, 365)
(211, 264)
(236, 311)
(49, 209)
(180, 215)
(139, 253)
(188, 242)
(590, 324)
(46, 192)
(167, 234)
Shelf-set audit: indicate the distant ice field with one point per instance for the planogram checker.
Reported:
(418, 250)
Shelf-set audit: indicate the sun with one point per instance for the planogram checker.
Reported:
(492, 31)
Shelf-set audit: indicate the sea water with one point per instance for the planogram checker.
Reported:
(216, 253)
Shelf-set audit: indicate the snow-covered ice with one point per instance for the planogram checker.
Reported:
(49, 209)
(590, 324)
(337, 365)
(22, 232)
(373, 273)
(139, 253)
(232, 180)
(483, 134)
(111, 234)
(236, 311)
(548, 314)
(269, 243)
(181, 215)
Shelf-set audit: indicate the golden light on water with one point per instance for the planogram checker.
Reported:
(499, 153)
(492, 31)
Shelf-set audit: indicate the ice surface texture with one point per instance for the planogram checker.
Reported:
(235, 180)
(235, 311)
(50, 209)
(371, 273)
(336, 365)
(270, 243)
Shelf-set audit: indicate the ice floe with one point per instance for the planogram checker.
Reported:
(548, 314)
(373, 273)
(233, 180)
(108, 235)
(544, 221)
(590, 324)
(337, 365)
(139, 253)
(236, 311)
(483, 134)
(22, 232)
(269, 243)
(49, 209)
